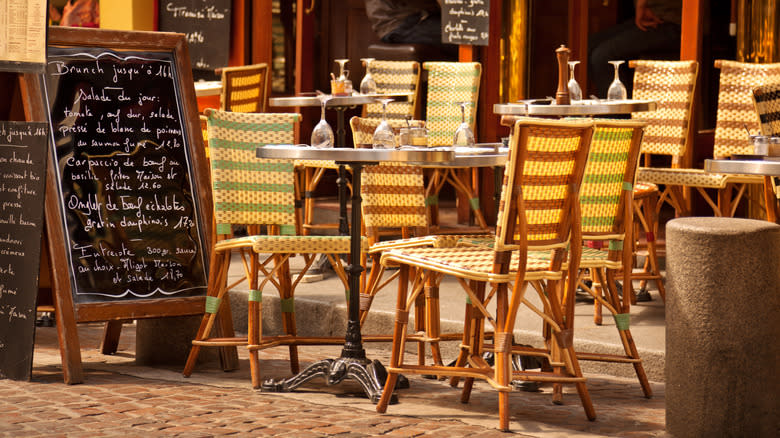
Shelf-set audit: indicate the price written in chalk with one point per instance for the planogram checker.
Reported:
(126, 185)
(465, 22)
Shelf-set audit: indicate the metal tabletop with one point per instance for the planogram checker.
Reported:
(342, 155)
(589, 107)
(767, 166)
(335, 101)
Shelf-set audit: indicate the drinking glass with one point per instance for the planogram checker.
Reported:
(322, 135)
(341, 63)
(617, 91)
(575, 92)
(368, 84)
(464, 136)
(384, 137)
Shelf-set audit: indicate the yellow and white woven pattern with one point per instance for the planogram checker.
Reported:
(395, 77)
(548, 176)
(735, 104)
(303, 244)
(393, 196)
(609, 171)
(449, 83)
(243, 88)
(767, 102)
(671, 85)
(247, 190)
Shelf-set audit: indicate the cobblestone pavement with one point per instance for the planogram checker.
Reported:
(119, 398)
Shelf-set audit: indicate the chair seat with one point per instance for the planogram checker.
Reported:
(323, 164)
(598, 258)
(642, 189)
(473, 263)
(693, 177)
(289, 244)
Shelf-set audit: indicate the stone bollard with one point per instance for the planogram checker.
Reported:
(722, 327)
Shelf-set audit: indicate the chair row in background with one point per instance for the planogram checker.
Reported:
(672, 85)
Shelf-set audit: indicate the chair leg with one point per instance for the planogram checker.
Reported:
(626, 338)
(217, 289)
(399, 333)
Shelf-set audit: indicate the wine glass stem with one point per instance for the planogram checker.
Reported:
(322, 111)
(617, 68)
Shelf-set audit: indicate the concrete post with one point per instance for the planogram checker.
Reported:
(722, 327)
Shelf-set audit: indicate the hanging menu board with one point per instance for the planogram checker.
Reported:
(22, 35)
(206, 26)
(125, 175)
(465, 22)
(22, 178)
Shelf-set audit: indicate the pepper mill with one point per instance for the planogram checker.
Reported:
(562, 95)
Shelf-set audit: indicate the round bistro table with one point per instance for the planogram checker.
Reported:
(769, 167)
(586, 107)
(353, 362)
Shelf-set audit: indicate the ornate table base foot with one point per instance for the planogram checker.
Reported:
(371, 375)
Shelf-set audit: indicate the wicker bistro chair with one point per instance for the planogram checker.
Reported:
(767, 103)
(243, 88)
(256, 193)
(671, 84)
(448, 84)
(606, 205)
(538, 209)
(735, 112)
(395, 77)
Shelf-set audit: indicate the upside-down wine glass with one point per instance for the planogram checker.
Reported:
(384, 137)
(617, 91)
(464, 136)
(575, 92)
(322, 135)
(368, 84)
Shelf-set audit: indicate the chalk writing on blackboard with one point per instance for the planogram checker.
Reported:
(206, 26)
(465, 22)
(125, 176)
(22, 179)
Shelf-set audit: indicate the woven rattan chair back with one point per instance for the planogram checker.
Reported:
(245, 189)
(244, 88)
(551, 154)
(393, 196)
(735, 104)
(449, 83)
(767, 102)
(363, 129)
(671, 85)
(395, 77)
(609, 177)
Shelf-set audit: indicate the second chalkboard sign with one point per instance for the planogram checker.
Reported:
(465, 22)
(125, 183)
(206, 26)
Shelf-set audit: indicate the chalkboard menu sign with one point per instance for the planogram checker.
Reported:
(465, 22)
(22, 183)
(206, 26)
(124, 175)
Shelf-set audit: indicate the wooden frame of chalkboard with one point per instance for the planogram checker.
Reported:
(125, 130)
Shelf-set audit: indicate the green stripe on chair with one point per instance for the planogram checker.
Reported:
(236, 206)
(255, 166)
(253, 187)
(608, 156)
(604, 178)
(287, 305)
(601, 200)
(622, 321)
(263, 127)
(255, 295)
(597, 221)
(212, 304)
